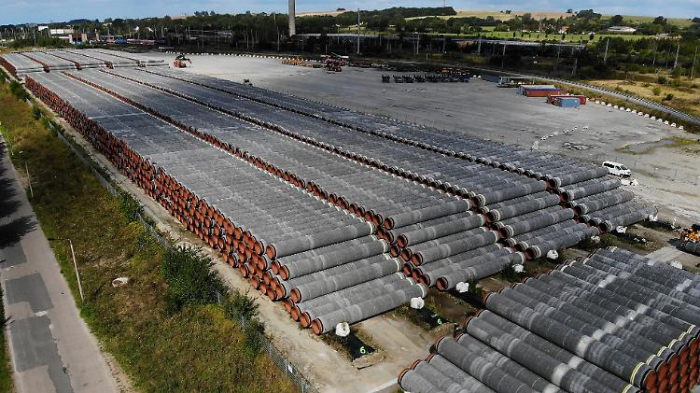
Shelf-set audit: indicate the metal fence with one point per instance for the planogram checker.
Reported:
(285, 366)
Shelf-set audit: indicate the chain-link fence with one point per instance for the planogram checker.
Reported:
(285, 366)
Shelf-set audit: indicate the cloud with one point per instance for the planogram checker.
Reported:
(24, 11)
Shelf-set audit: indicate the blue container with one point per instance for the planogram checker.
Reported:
(569, 102)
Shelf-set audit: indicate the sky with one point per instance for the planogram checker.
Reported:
(42, 11)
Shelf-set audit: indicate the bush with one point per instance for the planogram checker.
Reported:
(36, 113)
(129, 207)
(18, 91)
(190, 280)
(656, 90)
(662, 80)
(668, 97)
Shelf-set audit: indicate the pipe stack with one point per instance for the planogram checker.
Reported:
(611, 322)
(140, 60)
(314, 213)
(81, 62)
(19, 66)
(562, 176)
(557, 170)
(251, 217)
(111, 61)
(434, 217)
(50, 63)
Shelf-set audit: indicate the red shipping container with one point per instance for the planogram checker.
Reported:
(541, 93)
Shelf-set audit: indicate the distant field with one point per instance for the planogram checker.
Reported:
(541, 36)
(498, 15)
(319, 13)
(680, 22)
(488, 33)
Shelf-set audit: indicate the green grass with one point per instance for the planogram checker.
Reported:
(636, 19)
(193, 347)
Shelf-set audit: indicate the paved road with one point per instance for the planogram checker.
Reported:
(51, 348)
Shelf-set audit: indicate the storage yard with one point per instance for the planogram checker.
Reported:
(341, 216)
(593, 133)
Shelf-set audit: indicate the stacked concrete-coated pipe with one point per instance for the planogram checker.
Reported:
(439, 215)
(377, 152)
(614, 321)
(229, 201)
(19, 66)
(506, 157)
(50, 63)
(284, 224)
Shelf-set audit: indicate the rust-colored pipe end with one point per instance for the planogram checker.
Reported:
(271, 252)
(441, 284)
(305, 320)
(284, 272)
(295, 295)
(317, 326)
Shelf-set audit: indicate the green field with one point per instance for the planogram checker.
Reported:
(680, 22)
(569, 37)
(498, 15)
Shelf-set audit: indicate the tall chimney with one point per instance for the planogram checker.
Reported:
(292, 16)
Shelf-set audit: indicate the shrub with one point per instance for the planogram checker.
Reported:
(36, 113)
(129, 206)
(190, 280)
(18, 91)
(656, 90)
(662, 80)
(668, 97)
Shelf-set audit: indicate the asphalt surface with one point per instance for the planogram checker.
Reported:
(51, 348)
(634, 99)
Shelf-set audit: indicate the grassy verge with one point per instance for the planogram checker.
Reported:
(173, 326)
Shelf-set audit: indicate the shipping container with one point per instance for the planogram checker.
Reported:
(565, 102)
(541, 93)
(581, 98)
(524, 88)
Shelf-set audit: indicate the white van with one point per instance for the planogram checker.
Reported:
(617, 169)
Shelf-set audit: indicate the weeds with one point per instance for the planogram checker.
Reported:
(129, 207)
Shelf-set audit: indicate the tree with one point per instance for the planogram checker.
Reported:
(616, 20)
(660, 20)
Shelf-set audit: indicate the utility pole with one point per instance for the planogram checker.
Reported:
(605, 57)
(292, 18)
(478, 52)
(358, 30)
(503, 58)
(656, 47)
(573, 72)
(75, 266)
(678, 50)
(692, 68)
